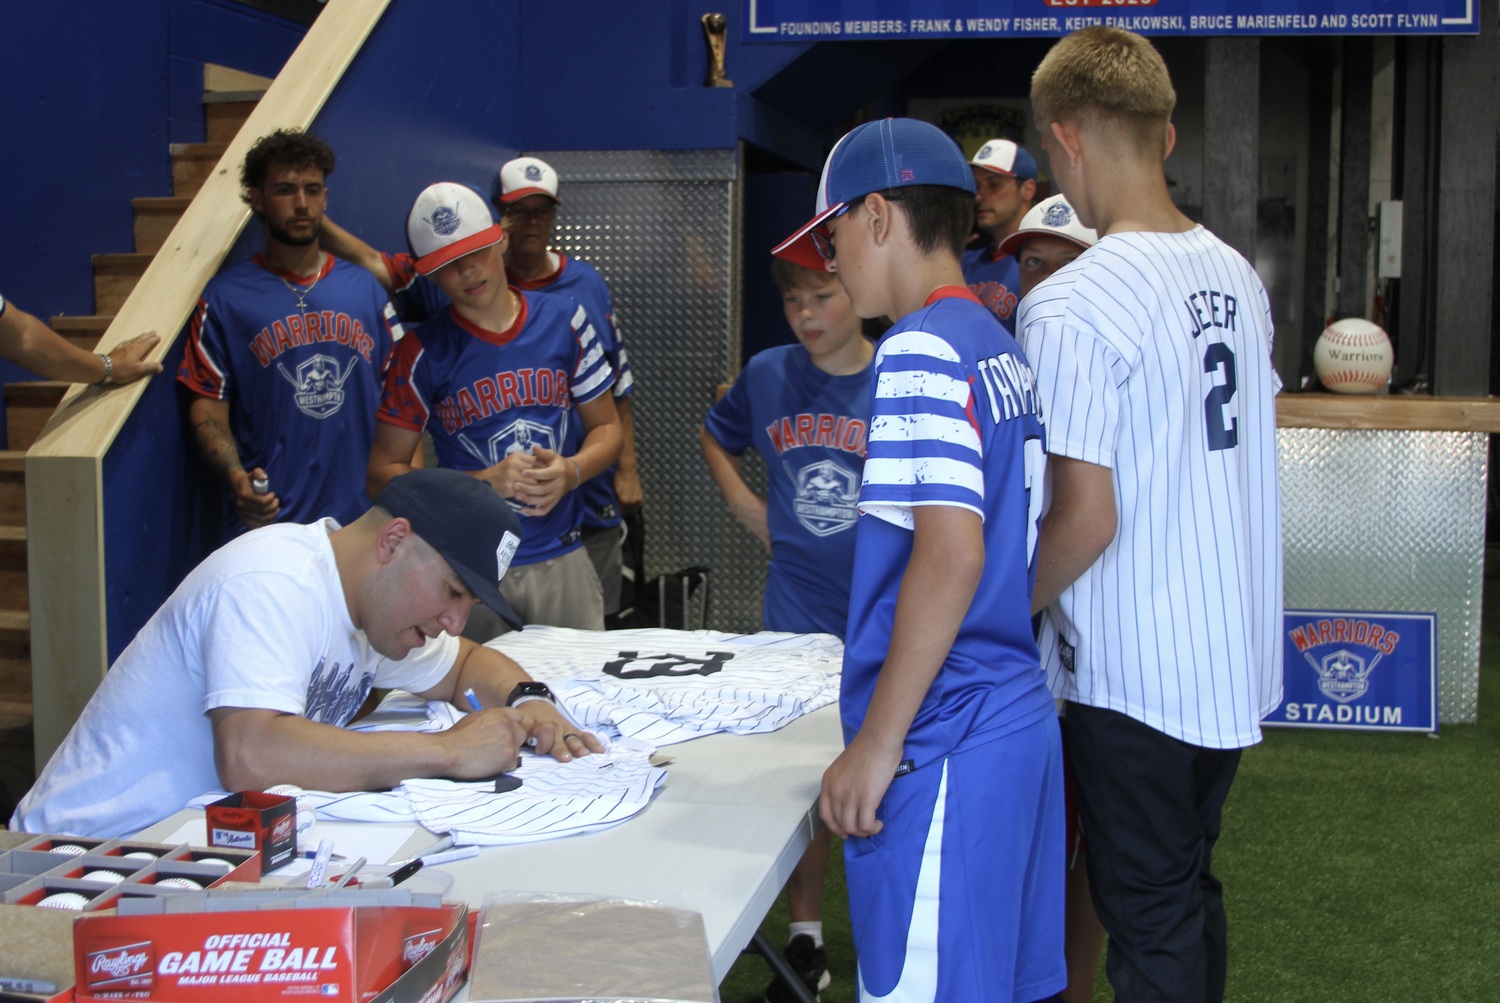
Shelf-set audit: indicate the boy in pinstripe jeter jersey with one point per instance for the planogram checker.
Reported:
(949, 791)
(1160, 558)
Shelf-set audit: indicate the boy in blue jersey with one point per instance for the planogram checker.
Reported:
(949, 791)
(525, 193)
(803, 407)
(499, 379)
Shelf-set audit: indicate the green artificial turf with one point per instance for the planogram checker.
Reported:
(1357, 867)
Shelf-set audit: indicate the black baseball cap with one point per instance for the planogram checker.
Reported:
(465, 520)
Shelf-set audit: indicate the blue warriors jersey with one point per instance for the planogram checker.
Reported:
(809, 427)
(584, 284)
(484, 395)
(954, 421)
(418, 298)
(302, 386)
(995, 281)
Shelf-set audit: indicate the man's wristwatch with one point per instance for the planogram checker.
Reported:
(529, 690)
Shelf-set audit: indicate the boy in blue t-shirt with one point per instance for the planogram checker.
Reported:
(803, 407)
(949, 792)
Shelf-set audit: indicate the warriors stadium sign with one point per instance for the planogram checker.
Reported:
(1366, 671)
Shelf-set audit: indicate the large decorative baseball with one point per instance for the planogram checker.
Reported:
(1353, 356)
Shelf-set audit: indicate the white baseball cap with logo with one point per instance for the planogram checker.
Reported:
(1051, 217)
(1005, 157)
(522, 177)
(447, 221)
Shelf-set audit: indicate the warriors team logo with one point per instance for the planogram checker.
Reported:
(318, 384)
(1342, 650)
(1343, 675)
(1058, 216)
(827, 497)
(444, 220)
(533, 172)
(520, 436)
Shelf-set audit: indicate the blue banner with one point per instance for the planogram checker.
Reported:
(1362, 671)
(862, 20)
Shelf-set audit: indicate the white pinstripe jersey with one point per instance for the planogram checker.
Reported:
(1152, 355)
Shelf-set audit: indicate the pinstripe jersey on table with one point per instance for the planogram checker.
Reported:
(667, 686)
(1152, 355)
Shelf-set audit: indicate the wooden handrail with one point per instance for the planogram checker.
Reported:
(64, 469)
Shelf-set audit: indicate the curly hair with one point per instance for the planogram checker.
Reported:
(288, 148)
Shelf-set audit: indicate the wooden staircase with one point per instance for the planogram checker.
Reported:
(29, 406)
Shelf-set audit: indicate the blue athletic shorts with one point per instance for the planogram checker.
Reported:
(960, 895)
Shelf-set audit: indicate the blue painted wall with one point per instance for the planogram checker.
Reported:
(444, 89)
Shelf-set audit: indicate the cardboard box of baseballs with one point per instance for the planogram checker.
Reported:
(68, 876)
(357, 946)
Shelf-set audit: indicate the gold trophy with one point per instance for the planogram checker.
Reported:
(715, 28)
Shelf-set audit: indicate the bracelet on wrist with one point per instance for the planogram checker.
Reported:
(577, 473)
(109, 368)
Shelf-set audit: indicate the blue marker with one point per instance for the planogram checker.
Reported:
(320, 864)
(474, 703)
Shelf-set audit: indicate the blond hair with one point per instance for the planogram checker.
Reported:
(1105, 76)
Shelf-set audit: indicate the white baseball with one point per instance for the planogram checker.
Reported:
(72, 849)
(218, 862)
(63, 900)
(307, 815)
(112, 877)
(1353, 356)
(175, 882)
(138, 855)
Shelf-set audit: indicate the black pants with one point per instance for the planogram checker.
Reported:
(1150, 808)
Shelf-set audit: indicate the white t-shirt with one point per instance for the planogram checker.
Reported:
(261, 623)
(1152, 354)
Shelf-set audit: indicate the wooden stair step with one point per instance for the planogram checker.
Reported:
(115, 275)
(82, 329)
(27, 408)
(154, 220)
(192, 163)
(225, 111)
(12, 487)
(15, 622)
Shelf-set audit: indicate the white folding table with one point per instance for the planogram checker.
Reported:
(720, 838)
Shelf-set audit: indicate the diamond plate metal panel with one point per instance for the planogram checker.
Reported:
(662, 227)
(1391, 520)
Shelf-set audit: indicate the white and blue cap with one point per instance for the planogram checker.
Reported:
(1051, 217)
(876, 157)
(447, 221)
(1004, 157)
(522, 177)
(464, 519)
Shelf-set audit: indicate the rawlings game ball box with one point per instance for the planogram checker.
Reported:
(255, 820)
(48, 881)
(354, 946)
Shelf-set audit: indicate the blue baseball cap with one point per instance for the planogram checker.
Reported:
(875, 157)
(465, 520)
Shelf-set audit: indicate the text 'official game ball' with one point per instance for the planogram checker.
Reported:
(1353, 356)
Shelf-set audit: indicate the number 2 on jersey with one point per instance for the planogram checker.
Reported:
(1220, 436)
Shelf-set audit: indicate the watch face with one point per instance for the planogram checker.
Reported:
(528, 689)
